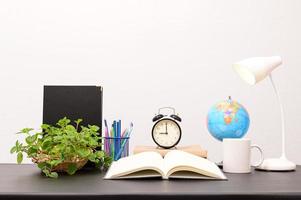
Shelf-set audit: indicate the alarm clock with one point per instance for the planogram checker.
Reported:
(166, 131)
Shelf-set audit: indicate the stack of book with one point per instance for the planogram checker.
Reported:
(192, 149)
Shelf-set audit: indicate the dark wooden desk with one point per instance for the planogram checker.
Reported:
(26, 182)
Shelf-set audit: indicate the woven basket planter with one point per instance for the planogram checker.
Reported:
(62, 167)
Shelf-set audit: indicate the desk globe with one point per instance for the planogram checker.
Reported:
(228, 119)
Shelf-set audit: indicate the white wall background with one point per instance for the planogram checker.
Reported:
(148, 54)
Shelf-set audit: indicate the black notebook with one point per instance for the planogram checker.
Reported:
(73, 102)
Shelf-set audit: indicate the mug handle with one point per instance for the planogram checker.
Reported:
(261, 155)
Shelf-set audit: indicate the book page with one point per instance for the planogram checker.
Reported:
(176, 161)
(189, 175)
(144, 163)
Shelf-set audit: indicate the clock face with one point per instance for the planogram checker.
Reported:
(166, 133)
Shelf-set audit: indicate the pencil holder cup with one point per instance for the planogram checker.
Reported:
(116, 147)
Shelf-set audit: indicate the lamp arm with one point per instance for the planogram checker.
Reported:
(283, 154)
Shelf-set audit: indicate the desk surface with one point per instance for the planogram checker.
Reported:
(26, 182)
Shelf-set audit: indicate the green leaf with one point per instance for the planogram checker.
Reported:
(45, 171)
(46, 144)
(99, 154)
(25, 130)
(83, 128)
(93, 143)
(53, 175)
(32, 150)
(13, 149)
(92, 157)
(83, 152)
(70, 128)
(63, 122)
(107, 161)
(50, 174)
(45, 126)
(71, 169)
(54, 163)
(93, 128)
(78, 121)
(57, 139)
(62, 155)
(39, 133)
(28, 140)
(19, 157)
(69, 150)
(42, 165)
(31, 139)
(17, 145)
(98, 164)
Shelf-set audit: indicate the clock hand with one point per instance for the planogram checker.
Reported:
(166, 128)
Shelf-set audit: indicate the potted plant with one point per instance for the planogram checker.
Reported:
(62, 148)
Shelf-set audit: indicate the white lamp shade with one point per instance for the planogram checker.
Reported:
(253, 70)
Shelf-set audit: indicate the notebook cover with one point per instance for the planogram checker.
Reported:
(74, 102)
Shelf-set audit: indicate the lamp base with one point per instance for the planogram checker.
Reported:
(277, 164)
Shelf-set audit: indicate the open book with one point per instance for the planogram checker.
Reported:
(175, 164)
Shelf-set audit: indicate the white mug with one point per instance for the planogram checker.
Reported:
(237, 155)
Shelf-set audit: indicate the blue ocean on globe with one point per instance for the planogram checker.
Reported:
(228, 119)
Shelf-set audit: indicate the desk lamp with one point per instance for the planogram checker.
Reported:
(252, 71)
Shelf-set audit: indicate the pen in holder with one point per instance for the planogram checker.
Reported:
(116, 147)
(116, 143)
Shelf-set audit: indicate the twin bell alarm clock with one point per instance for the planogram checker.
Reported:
(166, 131)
